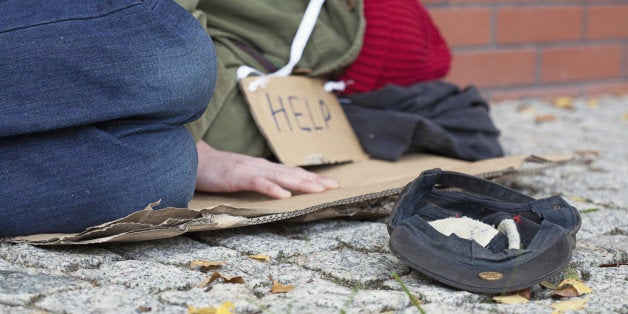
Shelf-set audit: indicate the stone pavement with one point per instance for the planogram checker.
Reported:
(342, 265)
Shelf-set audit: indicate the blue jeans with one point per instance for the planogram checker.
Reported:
(93, 98)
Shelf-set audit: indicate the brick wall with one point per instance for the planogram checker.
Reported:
(521, 48)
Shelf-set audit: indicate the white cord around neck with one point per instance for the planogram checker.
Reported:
(296, 50)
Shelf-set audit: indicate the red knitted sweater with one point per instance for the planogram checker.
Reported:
(401, 46)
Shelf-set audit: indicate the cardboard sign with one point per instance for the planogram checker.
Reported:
(302, 123)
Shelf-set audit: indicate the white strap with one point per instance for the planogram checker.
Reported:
(296, 50)
(331, 86)
(303, 34)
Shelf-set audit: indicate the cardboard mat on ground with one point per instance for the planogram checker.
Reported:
(361, 181)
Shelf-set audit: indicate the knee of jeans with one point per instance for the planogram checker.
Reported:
(72, 179)
(156, 167)
(162, 167)
(146, 61)
(186, 61)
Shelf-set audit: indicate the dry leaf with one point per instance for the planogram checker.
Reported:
(525, 293)
(568, 291)
(224, 308)
(510, 299)
(587, 152)
(592, 103)
(579, 199)
(527, 109)
(279, 288)
(549, 285)
(564, 102)
(578, 286)
(225, 279)
(259, 257)
(563, 306)
(625, 116)
(516, 297)
(206, 266)
(201, 310)
(544, 118)
(206, 281)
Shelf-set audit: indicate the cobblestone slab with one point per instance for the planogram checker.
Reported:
(269, 243)
(143, 276)
(67, 259)
(24, 287)
(179, 251)
(345, 266)
(353, 268)
(104, 299)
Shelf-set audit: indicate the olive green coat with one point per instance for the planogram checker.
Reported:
(269, 26)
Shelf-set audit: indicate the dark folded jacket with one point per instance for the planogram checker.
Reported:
(432, 117)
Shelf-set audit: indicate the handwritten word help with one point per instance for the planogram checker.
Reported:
(297, 113)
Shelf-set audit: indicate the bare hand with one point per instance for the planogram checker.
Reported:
(220, 171)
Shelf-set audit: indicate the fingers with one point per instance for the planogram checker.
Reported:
(228, 172)
(328, 183)
(299, 180)
(269, 188)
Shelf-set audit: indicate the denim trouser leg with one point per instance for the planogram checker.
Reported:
(93, 98)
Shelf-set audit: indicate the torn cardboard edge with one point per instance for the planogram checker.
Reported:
(360, 181)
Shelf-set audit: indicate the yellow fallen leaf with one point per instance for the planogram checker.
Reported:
(564, 102)
(592, 103)
(510, 299)
(579, 286)
(563, 306)
(579, 199)
(224, 308)
(201, 310)
(259, 257)
(279, 288)
(625, 117)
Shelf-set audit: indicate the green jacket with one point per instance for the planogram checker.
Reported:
(269, 27)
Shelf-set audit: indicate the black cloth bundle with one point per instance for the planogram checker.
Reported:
(433, 117)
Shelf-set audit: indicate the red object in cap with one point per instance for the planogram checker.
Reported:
(401, 46)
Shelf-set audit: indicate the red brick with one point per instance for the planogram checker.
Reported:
(609, 21)
(581, 63)
(538, 24)
(493, 68)
(625, 60)
(469, 26)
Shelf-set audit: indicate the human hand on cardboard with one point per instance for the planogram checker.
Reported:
(220, 171)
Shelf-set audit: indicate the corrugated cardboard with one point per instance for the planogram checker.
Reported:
(361, 181)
